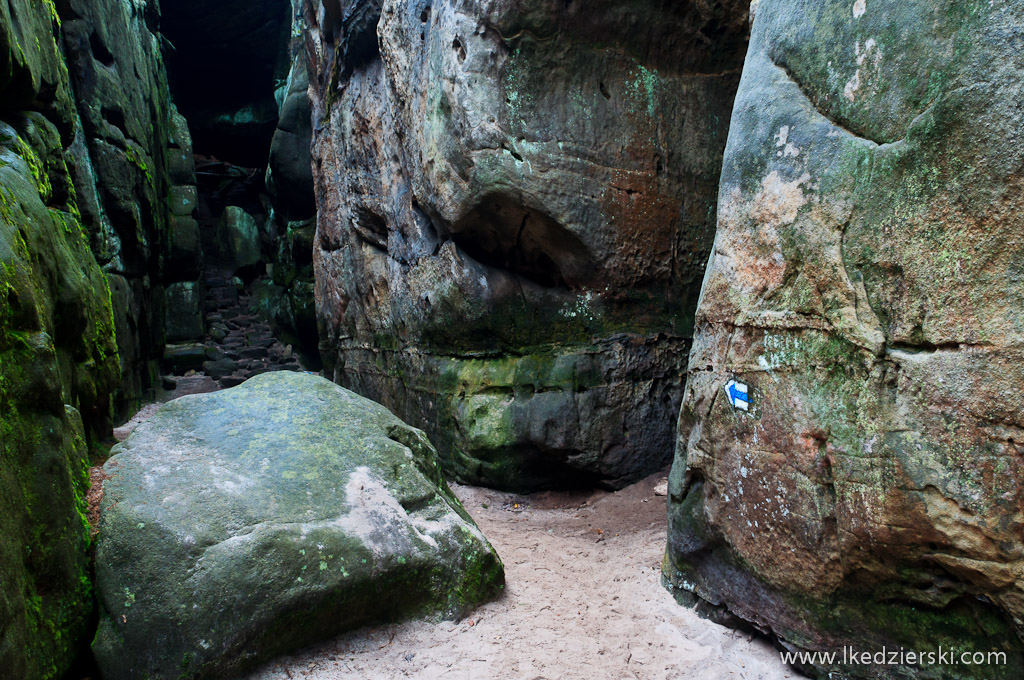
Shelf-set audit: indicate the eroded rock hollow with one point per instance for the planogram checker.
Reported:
(866, 286)
(517, 201)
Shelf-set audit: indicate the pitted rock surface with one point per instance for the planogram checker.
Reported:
(516, 204)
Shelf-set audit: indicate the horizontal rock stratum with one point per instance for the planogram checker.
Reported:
(243, 524)
(867, 286)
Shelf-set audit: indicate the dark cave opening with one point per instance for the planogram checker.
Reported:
(225, 61)
(100, 51)
(502, 232)
(233, 76)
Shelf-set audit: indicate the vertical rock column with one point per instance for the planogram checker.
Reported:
(516, 204)
(861, 482)
(124, 163)
(288, 302)
(183, 268)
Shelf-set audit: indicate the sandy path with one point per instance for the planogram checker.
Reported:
(583, 601)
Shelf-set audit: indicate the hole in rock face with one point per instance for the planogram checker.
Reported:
(332, 18)
(99, 51)
(114, 116)
(371, 227)
(460, 51)
(501, 232)
(513, 153)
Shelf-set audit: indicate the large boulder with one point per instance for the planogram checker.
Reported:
(241, 524)
(290, 167)
(184, 311)
(867, 286)
(516, 204)
(240, 241)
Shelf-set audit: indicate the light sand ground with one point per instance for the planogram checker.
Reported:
(583, 601)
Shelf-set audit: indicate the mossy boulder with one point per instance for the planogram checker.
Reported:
(33, 75)
(246, 523)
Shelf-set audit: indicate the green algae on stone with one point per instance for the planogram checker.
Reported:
(541, 192)
(864, 287)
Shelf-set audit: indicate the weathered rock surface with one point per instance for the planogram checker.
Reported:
(184, 312)
(516, 203)
(241, 524)
(239, 344)
(58, 367)
(290, 167)
(85, 146)
(867, 285)
(288, 305)
(240, 241)
(131, 172)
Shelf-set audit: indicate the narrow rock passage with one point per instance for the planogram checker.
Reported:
(238, 344)
(583, 601)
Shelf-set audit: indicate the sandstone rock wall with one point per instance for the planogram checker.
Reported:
(866, 285)
(58, 357)
(288, 301)
(133, 173)
(516, 202)
(87, 166)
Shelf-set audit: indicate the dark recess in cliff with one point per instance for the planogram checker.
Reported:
(225, 62)
(500, 232)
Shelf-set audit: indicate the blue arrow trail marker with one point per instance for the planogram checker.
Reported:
(739, 395)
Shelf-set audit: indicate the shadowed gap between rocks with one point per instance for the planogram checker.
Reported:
(239, 81)
(225, 61)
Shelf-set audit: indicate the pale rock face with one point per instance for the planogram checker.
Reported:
(866, 285)
(516, 207)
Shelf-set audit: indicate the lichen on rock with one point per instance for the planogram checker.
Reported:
(523, 192)
(58, 368)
